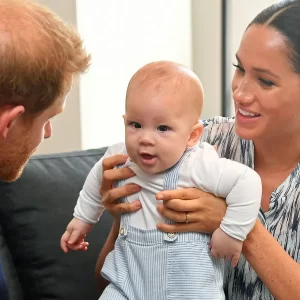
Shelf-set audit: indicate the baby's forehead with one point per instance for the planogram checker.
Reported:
(154, 78)
(166, 103)
(171, 83)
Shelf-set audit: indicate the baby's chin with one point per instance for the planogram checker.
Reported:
(155, 169)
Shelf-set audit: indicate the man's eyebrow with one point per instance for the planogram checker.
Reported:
(260, 70)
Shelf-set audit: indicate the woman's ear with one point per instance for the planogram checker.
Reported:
(8, 114)
(195, 135)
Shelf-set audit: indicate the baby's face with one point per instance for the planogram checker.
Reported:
(157, 128)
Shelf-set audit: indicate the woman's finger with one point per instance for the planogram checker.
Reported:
(116, 193)
(173, 215)
(179, 205)
(183, 194)
(109, 176)
(108, 164)
(179, 227)
(117, 174)
(117, 209)
(112, 161)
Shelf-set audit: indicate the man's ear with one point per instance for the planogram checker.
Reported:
(8, 114)
(195, 135)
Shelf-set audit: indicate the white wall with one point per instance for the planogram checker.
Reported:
(66, 127)
(207, 45)
(122, 36)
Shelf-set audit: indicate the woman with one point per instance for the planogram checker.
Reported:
(265, 136)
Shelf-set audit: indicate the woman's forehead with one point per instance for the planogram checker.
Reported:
(263, 47)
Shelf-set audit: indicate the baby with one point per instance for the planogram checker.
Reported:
(162, 132)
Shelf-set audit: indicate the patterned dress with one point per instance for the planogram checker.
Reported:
(282, 219)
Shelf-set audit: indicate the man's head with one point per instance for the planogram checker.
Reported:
(39, 55)
(163, 105)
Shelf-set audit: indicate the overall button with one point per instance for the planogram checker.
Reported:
(171, 235)
(122, 231)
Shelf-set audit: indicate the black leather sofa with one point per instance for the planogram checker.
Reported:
(34, 212)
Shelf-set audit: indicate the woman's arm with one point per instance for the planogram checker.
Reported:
(278, 271)
(108, 246)
(110, 198)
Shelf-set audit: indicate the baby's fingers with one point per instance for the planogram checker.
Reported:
(64, 241)
(79, 246)
(75, 237)
(214, 253)
(235, 260)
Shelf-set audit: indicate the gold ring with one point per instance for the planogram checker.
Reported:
(186, 217)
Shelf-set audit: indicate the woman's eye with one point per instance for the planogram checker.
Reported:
(135, 125)
(266, 82)
(239, 68)
(162, 128)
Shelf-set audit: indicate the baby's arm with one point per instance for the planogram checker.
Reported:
(89, 207)
(87, 212)
(243, 202)
(241, 186)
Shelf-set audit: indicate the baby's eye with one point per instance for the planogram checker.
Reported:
(162, 128)
(135, 125)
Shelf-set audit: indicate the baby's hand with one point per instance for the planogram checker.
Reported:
(73, 238)
(224, 246)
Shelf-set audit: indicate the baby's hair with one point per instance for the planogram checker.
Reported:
(161, 73)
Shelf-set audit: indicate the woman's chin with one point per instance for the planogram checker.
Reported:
(246, 133)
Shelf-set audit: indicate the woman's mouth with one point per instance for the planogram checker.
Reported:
(247, 113)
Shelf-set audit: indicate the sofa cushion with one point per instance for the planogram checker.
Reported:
(15, 290)
(34, 212)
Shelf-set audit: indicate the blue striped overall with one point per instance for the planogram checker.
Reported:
(153, 265)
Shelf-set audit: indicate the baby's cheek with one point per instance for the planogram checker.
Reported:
(171, 158)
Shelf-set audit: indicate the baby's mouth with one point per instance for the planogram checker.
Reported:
(148, 159)
(147, 156)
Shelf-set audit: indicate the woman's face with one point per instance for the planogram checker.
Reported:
(266, 89)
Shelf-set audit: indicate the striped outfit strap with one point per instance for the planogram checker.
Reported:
(172, 176)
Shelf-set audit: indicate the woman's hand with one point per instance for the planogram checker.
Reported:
(191, 209)
(111, 195)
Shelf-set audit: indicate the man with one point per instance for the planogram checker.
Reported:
(39, 55)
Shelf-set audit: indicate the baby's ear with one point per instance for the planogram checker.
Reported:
(124, 118)
(195, 135)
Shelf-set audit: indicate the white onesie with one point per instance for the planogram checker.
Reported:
(202, 168)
